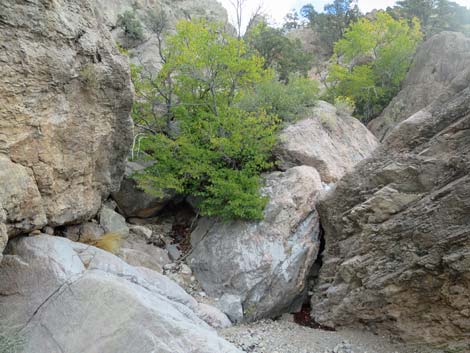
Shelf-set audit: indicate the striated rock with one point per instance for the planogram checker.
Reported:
(70, 297)
(65, 98)
(134, 202)
(330, 141)
(441, 67)
(397, 232)
(264, 263)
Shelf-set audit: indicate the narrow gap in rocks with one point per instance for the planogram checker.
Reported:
(183, 223)
(304, 317)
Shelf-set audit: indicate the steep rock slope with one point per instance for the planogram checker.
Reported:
(65, 97)
(146, 51)
(397, 232)
(61, 296)
(441, 65)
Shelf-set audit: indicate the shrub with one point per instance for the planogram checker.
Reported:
(287, 101)
(344, 105)
(88, 76)
(328, 121)
(131, 25)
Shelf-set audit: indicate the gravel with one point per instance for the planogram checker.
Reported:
(288, 337)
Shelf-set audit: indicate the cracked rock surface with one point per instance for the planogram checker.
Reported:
(65, 98)
(397, 233)
(264, 263)
(69, 297)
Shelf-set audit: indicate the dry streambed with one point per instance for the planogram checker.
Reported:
(288, 337)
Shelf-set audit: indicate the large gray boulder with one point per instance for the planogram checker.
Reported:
(441, 65)
(65, 98)
(265, 263)
(70, 297)
(397, 232)
(331, 141)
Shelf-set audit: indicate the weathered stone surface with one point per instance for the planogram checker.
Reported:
(213, 316)
(70, 297)
(113, 222)
(264, 263)
(441, 67)
(20, 198)
(138, 250)
(134, 202)
(88, 231)
(397, 232)
(146, 52)
(65, 98)
(330, 141)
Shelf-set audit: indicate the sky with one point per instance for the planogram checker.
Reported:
(277, 9)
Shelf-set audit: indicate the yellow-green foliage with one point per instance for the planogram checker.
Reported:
(344, 105)
(110, 242)
(372, 59)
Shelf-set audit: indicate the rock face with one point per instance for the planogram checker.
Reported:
(441, 65)
(330, 141)
(65, 98)
(397, 232)
(264, 263)
(145, 52)
(70, 297)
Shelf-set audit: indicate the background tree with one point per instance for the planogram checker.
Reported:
(435, 15)
(280, 53)
(371, 61)
(332, 23)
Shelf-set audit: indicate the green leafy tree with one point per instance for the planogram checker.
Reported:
(219, 149)
(371, 61)
(280, 53)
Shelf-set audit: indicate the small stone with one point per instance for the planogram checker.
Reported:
(48, 230)
(185, 270)
(142, 231)
(173, 252)
(232, 306)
